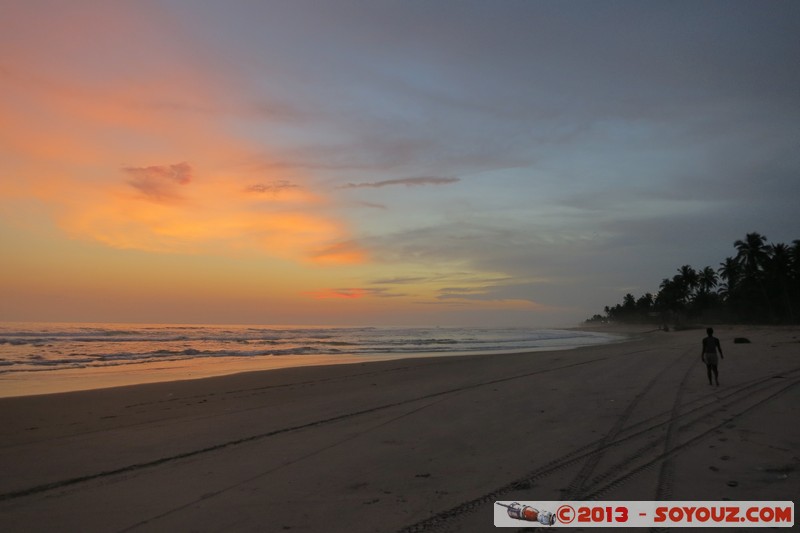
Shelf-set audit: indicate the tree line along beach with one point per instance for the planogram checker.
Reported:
(759, 285)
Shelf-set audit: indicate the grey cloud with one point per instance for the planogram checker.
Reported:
(557, 264)
(277, 112)
(384, 293)
(376, 151)
(473, 293)
(373, 205)
(503, 291)
(352, 292)
(399, 281)
(499, 80)
(408, 182)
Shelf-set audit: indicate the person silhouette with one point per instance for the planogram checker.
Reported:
(709, 355)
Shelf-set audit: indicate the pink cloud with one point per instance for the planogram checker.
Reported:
(273, 188)
(160, 183)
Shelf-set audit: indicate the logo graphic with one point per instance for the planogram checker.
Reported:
(565, 514)
(529, 514)
(652, 514)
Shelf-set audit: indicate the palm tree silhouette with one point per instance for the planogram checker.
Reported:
(778, 273)
(707, 279)
(752, 253)
(731, 272)
(689, 278)
(761, 283)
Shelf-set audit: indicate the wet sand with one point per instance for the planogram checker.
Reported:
(409, 445)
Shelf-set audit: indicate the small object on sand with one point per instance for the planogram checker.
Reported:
(741, 340)
(733, 483)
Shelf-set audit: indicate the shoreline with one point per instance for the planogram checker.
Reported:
(47, 381)
(407, 444)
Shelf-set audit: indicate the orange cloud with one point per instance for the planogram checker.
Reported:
(211, 216)
(341, 253)
(144, 158)
(348, 294)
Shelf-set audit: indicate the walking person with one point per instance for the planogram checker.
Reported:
(709, 356)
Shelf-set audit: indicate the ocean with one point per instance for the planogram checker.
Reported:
(40, 347)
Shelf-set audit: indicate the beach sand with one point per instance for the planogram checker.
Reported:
(409, 445)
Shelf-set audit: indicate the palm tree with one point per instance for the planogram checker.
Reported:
(760, 283)
(731, 273)
(796, 260)
(705, 299)
(707, 279)
(689, 277)
(779, 260)
(671, 298)
(629, 302)
(752, 253)
(644, 304)
(795, 272)
(778, 271)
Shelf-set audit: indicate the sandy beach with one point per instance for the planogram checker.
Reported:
(412, 444)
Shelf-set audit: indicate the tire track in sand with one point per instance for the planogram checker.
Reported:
(624, 470)
(576, 486)
(44, 487)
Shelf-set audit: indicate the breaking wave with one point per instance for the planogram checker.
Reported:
(30, 347)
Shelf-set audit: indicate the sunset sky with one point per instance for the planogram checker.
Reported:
(385, 162)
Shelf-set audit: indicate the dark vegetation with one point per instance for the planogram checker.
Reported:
(759, 285)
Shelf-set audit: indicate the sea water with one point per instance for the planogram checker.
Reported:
(30, 347)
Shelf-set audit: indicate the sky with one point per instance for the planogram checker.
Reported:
(376, 162)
